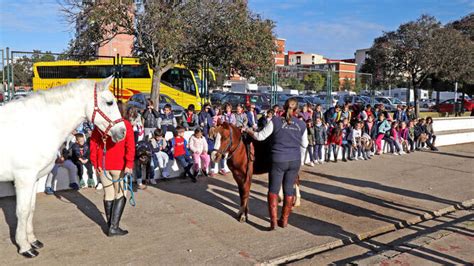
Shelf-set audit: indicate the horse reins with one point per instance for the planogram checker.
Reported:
(229, 146)
(104, 116)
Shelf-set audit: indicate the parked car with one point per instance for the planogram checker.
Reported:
(389, 100)
(260, 100)
(353, 99)
(322, 97)
(216, 97)
(139, 101)
(448, 106)
(427, 103)
(313, 99)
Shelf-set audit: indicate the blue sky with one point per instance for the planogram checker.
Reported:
(334, 28)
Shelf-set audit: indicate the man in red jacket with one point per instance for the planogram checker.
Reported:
(119, 160)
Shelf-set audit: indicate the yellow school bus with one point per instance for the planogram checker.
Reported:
(178, 83)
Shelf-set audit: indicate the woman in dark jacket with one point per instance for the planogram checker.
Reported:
(289, 136)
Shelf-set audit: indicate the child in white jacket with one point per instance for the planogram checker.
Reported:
(356, 135)
(199, 149)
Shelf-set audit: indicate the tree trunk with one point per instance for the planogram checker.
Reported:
(415, 97)
(155, 89)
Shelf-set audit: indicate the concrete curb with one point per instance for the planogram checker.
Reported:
(362, 236)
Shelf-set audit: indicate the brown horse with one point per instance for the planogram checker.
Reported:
(244, 158)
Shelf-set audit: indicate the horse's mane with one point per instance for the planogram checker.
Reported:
(55, 95)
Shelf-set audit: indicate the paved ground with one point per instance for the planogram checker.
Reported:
(446, 240)
(179, 222)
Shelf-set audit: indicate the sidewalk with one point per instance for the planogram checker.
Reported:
(446, 240)
(179, 222)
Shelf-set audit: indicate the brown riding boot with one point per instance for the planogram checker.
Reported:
(273, 209)
(285, 213)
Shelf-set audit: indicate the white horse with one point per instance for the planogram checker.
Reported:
(50, 116)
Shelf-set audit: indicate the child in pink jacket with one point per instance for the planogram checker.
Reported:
(199, 149)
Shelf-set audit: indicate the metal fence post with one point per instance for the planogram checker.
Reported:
(3, 72)
(328, 88)
(12, 73)
(8, 74)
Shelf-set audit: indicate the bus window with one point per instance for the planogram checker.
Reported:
(135, 71)
(171, 77)
(180, 79)
(188, 82)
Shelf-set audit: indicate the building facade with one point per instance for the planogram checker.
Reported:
(301, 59)
(280, 53)
(360, 56)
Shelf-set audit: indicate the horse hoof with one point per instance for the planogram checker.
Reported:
(242, 219)
(37, 244)
(30, 253)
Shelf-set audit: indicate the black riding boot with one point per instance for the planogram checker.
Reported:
(108, 210)
(117, 211)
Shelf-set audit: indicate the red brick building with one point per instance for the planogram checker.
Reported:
(280, 54)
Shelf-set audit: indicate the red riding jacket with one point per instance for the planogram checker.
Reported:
(119, 155)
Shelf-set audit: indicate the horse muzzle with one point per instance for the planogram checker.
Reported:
(118, 133)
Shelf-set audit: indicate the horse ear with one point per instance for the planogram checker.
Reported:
(219, 122)
(105, 83)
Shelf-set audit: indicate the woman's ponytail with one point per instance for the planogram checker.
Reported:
(291, 104)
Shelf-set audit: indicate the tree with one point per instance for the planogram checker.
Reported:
(293, 83)
(406, 53)
(23, 66)
(313, 81)
(222, 32)
(465, 26)
(335, 81)
(347, 85)
(454, 56)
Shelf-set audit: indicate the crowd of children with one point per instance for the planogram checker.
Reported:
(358, 132)
(355, 132)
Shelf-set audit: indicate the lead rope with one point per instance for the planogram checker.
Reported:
(127, 178)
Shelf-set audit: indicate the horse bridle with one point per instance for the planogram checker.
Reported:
(229, 146)
(104, 116)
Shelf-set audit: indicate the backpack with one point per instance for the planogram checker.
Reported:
(143, 147)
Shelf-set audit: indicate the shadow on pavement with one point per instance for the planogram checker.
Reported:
(426, 253)
(454, 154)
(381, 187)
(87, 207)
(222, 196)
(8, 206)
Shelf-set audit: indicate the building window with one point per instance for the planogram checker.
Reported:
(298, 60)
(312, 60)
